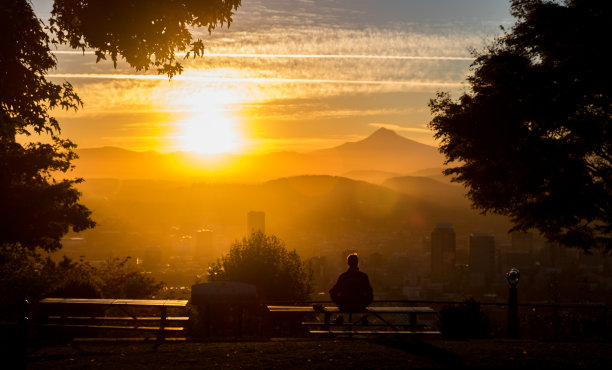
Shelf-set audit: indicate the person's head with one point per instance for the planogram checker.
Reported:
(352, 260)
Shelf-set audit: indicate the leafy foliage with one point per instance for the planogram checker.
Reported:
(263, 260)
(116, 278)
(146, 33)
(532, 139)
(25, 274)
(37, 210)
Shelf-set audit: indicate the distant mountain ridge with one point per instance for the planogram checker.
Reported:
(384, 151)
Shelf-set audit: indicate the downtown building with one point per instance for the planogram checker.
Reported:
(443, 248)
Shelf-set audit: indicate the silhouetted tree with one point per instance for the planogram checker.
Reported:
(37, 207)
(263, 260)
(25, 274)
(36, 210)
(116, 278)
(532, 138)
(145, 33)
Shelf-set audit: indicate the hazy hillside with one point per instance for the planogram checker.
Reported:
(433, 173)
(451, 195)
(151, 199)
(376, 177)
(314, 214)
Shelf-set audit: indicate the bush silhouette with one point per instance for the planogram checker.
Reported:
(264, 261)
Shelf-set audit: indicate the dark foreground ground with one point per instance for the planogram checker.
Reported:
(325, 354)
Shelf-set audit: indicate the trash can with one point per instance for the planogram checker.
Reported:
(225, 309)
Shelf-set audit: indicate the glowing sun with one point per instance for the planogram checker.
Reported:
(212, 125)
(212, 132)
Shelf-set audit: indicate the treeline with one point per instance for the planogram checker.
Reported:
(28, 275)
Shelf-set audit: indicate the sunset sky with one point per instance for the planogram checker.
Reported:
(287, 75)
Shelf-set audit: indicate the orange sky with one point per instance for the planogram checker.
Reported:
(298, 77)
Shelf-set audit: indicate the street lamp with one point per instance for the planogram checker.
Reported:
(513, 277)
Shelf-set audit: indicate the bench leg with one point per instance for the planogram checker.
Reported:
(162, 325)
(327, 320)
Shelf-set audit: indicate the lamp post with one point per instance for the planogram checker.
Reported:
(513, 318)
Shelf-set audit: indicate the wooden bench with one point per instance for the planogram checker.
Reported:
(90, 314)
(372, 321)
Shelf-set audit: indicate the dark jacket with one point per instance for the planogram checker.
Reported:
(353, 291)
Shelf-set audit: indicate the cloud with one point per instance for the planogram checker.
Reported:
(258, 80)
(298, 56)
(283, 68)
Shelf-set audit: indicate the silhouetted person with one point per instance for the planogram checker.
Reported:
(353, 291)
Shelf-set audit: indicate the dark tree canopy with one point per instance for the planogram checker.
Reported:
(38, 202)
(36, 209)
(532, 138)
(263, 260)
(146, 33)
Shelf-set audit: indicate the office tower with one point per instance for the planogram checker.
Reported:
(442, 251)
(256, 221)
(482, 259)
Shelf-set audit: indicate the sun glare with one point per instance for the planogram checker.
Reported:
(212, 126)
(209, 133)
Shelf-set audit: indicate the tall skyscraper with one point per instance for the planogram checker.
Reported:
(442, 251)
(482, 259)
(256, 221)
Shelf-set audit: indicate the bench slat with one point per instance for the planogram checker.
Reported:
(359, 325)
(145, 328)
(368, 332)
(334, 309)
(126, 318)
(119, 302)
(125, 339)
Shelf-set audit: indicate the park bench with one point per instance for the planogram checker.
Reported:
(372, 321)
(92, 315)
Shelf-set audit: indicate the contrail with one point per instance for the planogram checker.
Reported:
(303, 56)
(250, 79)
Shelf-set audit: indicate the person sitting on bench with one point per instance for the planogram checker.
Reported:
(352, 292)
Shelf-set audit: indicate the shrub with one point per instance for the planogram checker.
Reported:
(264, 261)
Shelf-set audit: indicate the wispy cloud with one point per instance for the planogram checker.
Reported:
(299, 56)
(253, 79)
(303, 74)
